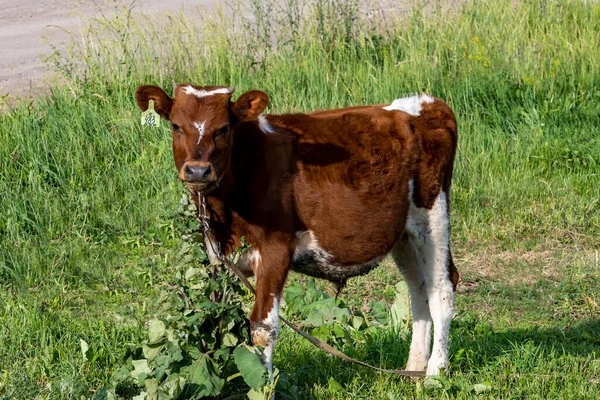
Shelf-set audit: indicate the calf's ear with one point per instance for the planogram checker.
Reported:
(162, 102)
(250, 105)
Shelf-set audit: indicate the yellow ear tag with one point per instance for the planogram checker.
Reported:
(150, 117)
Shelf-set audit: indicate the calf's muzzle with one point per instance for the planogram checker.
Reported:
(196, 172)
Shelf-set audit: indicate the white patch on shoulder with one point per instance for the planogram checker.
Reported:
(255, 260)
(199, 93)
(249, 262)
(264, 125)
(200, 128)
(410, 105)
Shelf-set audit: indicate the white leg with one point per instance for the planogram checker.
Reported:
(429, 232)
(264, 333)
(406, 262)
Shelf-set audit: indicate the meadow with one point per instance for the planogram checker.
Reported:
(89, 199)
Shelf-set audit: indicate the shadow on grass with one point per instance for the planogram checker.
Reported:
(476, 348)
(476, 345)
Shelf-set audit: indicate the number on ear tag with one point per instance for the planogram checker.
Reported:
(150, 117)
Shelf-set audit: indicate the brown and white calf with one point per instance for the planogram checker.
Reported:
(328, 194)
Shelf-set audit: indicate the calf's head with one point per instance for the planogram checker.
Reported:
(203, 122)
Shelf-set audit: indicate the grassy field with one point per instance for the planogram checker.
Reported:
(88, 197)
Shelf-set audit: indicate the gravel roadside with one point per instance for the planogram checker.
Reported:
(29, 27)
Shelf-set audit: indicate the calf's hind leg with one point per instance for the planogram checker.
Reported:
(429, 236)
(404, 257)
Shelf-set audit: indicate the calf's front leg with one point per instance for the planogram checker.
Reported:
(271, 269)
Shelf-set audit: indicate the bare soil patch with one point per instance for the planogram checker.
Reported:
(520, 266)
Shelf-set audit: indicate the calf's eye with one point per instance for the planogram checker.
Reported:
(224, 130)
(175, 127)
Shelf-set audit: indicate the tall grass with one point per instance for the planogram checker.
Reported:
(522, 78)
(87, 195)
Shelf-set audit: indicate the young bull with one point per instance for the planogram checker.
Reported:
(327, 193)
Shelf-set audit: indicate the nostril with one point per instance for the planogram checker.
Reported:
(197, 173)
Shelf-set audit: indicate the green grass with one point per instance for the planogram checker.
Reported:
(88, 197)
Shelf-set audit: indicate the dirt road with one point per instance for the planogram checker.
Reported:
(28, 27)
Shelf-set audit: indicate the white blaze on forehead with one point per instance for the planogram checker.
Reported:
(199, 93)
(410, 105)
(200, 127)
(264, 125)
